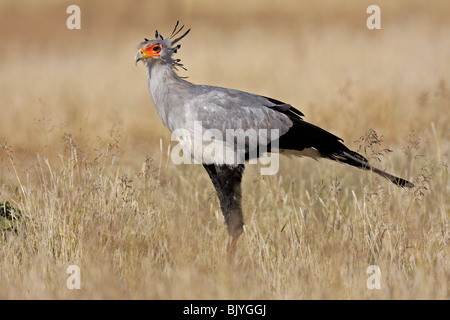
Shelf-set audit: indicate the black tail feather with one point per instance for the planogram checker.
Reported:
(355, 159)
(303, 135)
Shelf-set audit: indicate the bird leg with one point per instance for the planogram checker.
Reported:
(227, 182)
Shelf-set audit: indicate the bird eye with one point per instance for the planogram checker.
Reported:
(156, 48)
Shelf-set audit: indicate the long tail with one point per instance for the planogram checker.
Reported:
(304, 136)
(353, 158)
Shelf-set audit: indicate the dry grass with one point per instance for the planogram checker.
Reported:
(81, 156)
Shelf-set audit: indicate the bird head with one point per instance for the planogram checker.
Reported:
(161, 49)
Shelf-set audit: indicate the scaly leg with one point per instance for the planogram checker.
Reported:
(227, 182)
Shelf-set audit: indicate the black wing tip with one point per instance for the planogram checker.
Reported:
(291, 110)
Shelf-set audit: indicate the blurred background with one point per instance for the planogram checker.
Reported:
(320, 57)
(83, 153)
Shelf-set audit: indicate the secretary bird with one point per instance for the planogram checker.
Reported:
(184, 105)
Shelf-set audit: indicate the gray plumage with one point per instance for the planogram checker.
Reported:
(180, 104)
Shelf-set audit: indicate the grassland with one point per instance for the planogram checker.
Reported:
(84, 156)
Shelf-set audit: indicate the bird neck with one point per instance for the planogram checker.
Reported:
(162, 78)
(159, 75)
(162, 72)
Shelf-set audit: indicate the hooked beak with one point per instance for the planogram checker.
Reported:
(140, 55)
